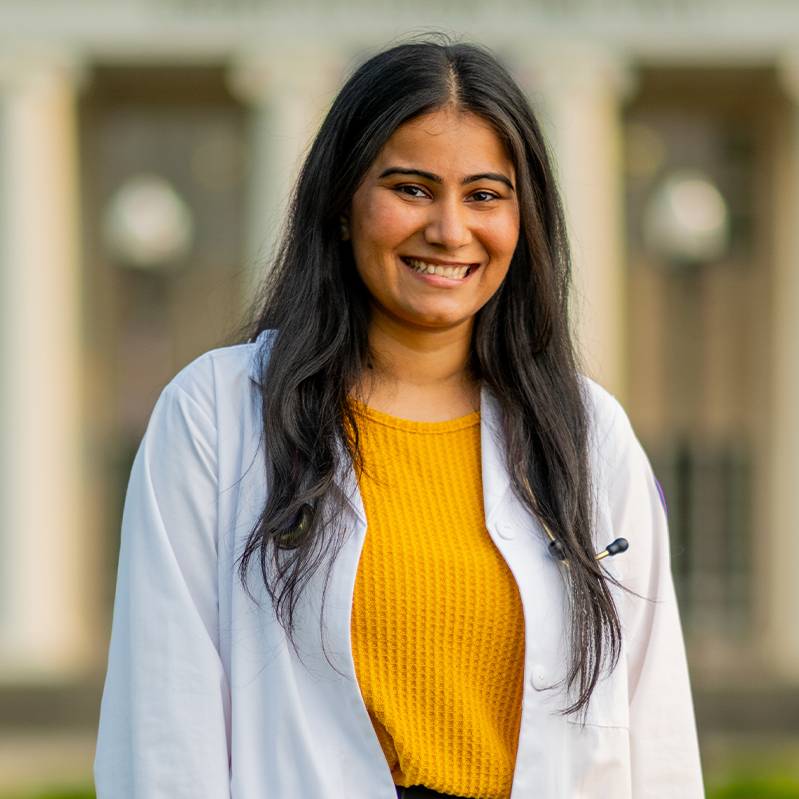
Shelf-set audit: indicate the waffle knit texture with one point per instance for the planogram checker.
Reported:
(437, 623)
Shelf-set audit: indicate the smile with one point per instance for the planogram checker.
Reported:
(456, 272)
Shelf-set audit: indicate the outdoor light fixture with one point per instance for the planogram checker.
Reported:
(148, 225)
(686, 221)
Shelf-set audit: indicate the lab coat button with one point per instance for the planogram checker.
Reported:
(505, 529)
(538, 677)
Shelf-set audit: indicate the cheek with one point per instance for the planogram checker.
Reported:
(379, 224)
(375, 234)
(500, 237)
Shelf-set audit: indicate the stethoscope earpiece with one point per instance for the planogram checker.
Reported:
(558, 551)
(614, 548)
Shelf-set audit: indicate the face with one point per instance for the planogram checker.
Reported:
(435, 221)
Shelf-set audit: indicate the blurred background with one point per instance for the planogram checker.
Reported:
(146, 152)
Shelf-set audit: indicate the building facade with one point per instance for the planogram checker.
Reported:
(146, 154)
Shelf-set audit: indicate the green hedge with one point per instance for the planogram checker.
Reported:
(55, 793)
(772, 787)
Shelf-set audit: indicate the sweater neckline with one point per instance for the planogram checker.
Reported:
(412, 425)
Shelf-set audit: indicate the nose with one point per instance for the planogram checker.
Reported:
(448, 225)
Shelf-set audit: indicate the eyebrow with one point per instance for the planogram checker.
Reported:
(498, 176)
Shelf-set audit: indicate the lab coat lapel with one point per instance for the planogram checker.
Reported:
(496, 481)
(521, 540)
(347, 482)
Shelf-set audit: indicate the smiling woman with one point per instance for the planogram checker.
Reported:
(375, 611)
(434, 225)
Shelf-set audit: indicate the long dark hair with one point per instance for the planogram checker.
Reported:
(318, 308)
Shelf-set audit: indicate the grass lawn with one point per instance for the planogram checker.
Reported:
(742, 787)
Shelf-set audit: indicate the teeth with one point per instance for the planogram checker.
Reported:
(454, 272)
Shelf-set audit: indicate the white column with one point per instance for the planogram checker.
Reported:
(288, 95)
(777, 552)
(577, 93)
(47, 571)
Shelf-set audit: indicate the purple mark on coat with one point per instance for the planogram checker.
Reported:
(662, 496)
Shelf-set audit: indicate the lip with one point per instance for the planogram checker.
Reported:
(439, 261)
(439, 280)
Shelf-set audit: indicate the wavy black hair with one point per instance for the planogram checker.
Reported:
(522, 350)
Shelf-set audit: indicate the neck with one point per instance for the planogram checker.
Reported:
(419, 356)
(419, 371)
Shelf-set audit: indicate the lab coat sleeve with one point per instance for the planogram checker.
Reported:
(165, 712)
(664, 750)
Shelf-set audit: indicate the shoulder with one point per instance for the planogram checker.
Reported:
(617, 453)
(607, 416)
(610, 425)
(220, 376)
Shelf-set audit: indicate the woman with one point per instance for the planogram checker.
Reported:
(359, 551)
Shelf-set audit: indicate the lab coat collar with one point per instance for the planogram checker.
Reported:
(496, 480)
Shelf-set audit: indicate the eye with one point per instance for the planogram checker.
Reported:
(484, 196)
(411, 190)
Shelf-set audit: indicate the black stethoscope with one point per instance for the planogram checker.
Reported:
(559, 553)
(557, 550)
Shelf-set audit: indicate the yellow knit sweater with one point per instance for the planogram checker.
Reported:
(437, 623)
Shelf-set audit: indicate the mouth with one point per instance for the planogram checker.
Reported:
(450, 271)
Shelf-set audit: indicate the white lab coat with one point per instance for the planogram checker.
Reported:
(204, 698)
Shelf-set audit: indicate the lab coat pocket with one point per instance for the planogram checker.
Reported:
(599, 762)
(599, 745)
(609, 704)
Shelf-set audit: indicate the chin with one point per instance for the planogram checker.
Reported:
(437, 319)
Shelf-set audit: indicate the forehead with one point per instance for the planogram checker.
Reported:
(446, 140)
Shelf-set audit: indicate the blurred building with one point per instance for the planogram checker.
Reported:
(146, 152)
